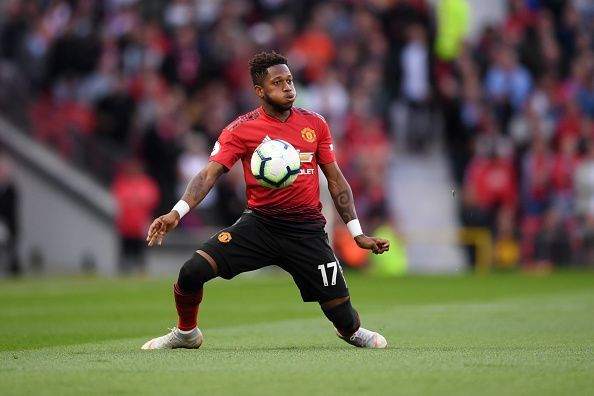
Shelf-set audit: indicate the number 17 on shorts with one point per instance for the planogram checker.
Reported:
(330, 266)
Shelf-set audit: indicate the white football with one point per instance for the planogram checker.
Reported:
(275, 163)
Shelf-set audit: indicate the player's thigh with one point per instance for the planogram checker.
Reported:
(245, 246)
(314, 268)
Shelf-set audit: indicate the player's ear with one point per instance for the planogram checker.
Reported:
(259, 91)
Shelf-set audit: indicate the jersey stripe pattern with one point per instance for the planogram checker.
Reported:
(308, 132)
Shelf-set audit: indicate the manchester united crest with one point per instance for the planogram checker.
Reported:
(224, 237)
(309, 135)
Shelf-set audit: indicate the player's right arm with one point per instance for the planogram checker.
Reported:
(195, 192)
(226, 151)
(202, 183)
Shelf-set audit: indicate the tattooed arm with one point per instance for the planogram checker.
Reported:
(202, 183)
(345, 206)
(197, 189)
(340, 191)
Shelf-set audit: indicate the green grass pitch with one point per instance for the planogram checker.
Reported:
(460, 335)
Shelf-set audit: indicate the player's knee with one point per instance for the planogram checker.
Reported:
(344, 317)
(335, 302)
(194, 273)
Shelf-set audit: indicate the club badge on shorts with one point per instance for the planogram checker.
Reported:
(224, 237)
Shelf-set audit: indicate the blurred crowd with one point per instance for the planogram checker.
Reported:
(523, 95)
(121, 85)
(108, 81)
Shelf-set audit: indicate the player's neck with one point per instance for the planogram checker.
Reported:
(282, 116)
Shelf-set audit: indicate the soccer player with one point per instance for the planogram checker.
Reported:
(283, 227)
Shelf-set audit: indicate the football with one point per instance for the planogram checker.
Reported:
(275, 163)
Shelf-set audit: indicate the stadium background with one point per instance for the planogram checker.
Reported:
(464, 127)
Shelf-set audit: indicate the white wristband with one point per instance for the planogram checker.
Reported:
(354, 228)
(182, 208)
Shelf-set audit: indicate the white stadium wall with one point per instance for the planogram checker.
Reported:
(65, 220)
(63, 231)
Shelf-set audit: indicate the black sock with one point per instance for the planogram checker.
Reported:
(344, 317)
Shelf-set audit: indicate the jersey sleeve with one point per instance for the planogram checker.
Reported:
(227, 149)
(325, 152)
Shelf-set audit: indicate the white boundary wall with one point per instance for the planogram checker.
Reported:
(63, 215)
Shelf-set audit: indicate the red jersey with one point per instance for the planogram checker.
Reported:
(137, 197)
(308, 133)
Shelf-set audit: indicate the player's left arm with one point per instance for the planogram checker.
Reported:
(342, 195)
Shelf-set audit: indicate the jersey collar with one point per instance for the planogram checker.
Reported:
(271, 118)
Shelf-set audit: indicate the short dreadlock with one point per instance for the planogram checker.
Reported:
(260, 63)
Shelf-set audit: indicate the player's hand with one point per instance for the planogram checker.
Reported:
(161, 226)
(376, 245)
